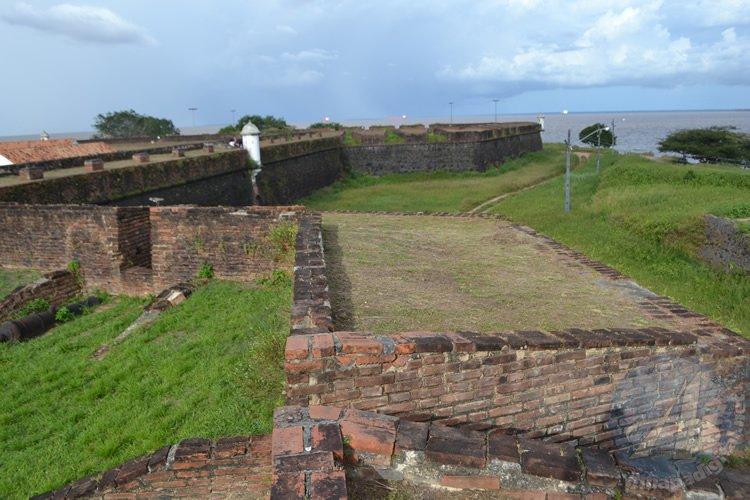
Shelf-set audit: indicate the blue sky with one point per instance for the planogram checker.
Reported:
(304, 59)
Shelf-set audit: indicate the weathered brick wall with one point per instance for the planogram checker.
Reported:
(634, 390)
(311, 304)
(134, 237)
(456, 156)
(48, 237)
(138, 183)
(237, 243)
(726, 246)
(287, 180)
(57, 288)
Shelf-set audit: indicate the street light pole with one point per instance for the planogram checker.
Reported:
(451, 103)
(495, 101)
(598, 148)
(193, 110)
(234, 120)
(568, 146)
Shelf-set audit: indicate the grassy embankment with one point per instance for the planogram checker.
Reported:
(212, 366)
(642, 217)
(10, 279)
(438, 191)
(646, 220)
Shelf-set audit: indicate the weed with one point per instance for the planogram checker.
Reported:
(392, 137)
(205, 272)
(63, 315)
(31, 307)
(283, 237)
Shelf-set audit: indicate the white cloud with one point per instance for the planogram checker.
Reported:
(629, 46)
(287, 30)
(310, 56)
(79, 22)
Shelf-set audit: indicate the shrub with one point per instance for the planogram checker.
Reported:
(350, 140)
(392, 137)
(608, 139)
(435, 137)
(206, 271)
(31, 307)
(63, 315)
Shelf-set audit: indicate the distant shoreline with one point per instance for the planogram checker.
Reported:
(213, 128)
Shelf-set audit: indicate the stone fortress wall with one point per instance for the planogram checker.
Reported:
(291, 169)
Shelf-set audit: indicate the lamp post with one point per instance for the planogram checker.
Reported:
(451, 104)
(495, 101)
(234, 120)
(193, 110)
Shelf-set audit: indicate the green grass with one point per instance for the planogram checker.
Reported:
(645, 219)
(437, 191)
(213, 366)
(10, 279)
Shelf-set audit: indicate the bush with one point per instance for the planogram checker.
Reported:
(330, 125)
(264, 123)
(434, 137)
(710, 144)
(392, 137)
(350, 140)
(206, 271)
(63, 315)
(31, 307)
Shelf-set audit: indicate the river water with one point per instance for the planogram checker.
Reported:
(636, 131)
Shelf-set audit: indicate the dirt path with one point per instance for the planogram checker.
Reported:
(483, 207)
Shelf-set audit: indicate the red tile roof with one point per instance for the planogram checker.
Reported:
(40, 151)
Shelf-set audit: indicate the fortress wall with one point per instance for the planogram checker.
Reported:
(287, 180)
(48, 237)
(456, 156)
(240, 244)
(138, 250)
(186, 180)
(641, 391)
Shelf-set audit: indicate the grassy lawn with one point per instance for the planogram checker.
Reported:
(437, 191)
(10, 279)
(404, 273)
(213, 366)
(645, 219)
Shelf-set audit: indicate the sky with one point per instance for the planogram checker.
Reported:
(63, 63)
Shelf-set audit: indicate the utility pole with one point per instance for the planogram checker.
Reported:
(193, 110)
(568, 146)
(234, 120)
(598, 148)
(451, 103)
(495, 101)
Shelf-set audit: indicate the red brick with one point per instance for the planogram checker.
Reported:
(296, 347)
(286, 486)
(319, 412)
(328, 485)
(287, 440)
(327, 437)
(322, 345)
(369, 439)
(471, 482)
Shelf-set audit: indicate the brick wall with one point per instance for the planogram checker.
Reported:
(288, 180)
(56, 288)
(140, 182)
(635, 390)
(137, 250)
(456, 156)
(236, 242)
(48, 237)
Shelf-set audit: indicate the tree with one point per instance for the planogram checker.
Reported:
(708, 144)
(266, 123)
(127, 124)
(331, 125)
(608, 139)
